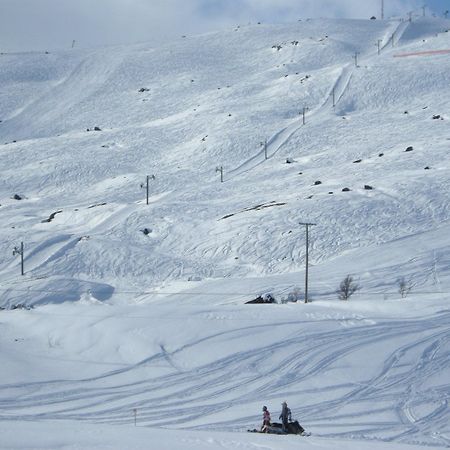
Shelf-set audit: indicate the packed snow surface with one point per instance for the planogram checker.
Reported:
(131, 313)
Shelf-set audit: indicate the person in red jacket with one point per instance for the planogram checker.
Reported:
(266, 420)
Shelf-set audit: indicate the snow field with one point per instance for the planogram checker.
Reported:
(121, 324)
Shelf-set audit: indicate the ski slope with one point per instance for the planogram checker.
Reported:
(155, 322)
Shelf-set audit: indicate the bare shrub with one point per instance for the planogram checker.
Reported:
(295, 295)
(347, 288)
(404, 286)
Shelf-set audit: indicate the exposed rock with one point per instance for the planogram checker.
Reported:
(357, 161)
(346, 189)
(367, 187)
(289, 160)
(146, 231)
(51, 217)
(436, 116)
(97, 129)
(97, 204)
(409, 149)
(17, 197)
(316, 183)
(143, 89)
(380, 155)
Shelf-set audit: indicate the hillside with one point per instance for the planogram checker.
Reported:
(141, 306)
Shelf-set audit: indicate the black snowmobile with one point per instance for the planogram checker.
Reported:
(277, 428)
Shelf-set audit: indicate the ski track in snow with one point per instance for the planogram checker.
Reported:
(282, 368)
(282, 137)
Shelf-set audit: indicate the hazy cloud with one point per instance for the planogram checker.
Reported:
(50, 24)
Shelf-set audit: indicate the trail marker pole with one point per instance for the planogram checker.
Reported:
(265, 149)
(135, 416)
(73, 43)
(410, 16)
(220, 169)
(334, 97)
(356, 58)
(307, 225)
(424, 7)
(393, 39)
(19, 251)
(379, 45)
(382, 9)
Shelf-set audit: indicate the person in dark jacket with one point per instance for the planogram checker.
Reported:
(285, 416)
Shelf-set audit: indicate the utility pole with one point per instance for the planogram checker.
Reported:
(220, 169)
(148, 178)
(307, 225)
(382, 9)
(379, 45)
(19, 251)
(356, 58)
(305, 108)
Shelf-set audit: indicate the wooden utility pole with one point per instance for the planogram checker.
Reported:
(220, 169)
(305, 108)
(307, 225)
(19, 251)
(147, 185)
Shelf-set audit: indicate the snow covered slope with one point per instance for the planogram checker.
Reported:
(154, 321)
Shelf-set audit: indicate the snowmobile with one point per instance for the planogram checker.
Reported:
(277, 428)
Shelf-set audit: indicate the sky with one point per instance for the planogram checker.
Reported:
(53, 24)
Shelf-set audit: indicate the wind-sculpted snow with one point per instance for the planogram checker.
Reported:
(195, 378)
